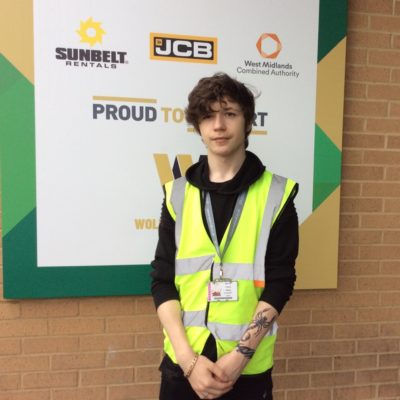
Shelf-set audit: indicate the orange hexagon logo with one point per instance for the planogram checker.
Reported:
(273, 42)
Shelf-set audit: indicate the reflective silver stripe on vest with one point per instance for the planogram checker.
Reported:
(192, 265)
(274, 199)
(234, 332)
(194, 318)
(219, 331)
(177, 197)
(234, 271)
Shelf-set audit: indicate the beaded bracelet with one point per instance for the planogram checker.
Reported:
(191, 366)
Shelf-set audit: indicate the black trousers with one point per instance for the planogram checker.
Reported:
(252, 387)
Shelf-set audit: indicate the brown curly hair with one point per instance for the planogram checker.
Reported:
(211, 89)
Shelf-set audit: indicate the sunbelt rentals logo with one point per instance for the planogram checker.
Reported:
(91, 34)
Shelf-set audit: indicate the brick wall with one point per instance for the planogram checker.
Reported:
(334, 344)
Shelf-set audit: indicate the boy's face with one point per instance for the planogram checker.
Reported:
(223, 129)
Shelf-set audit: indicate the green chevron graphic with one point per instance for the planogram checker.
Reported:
(327, 163)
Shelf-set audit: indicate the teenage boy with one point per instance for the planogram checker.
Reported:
(224, 263)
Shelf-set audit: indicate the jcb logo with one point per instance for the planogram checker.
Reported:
(170, 47)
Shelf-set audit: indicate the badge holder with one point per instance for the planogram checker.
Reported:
(222, 289)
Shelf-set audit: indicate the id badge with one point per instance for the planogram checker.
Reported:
(223, 290)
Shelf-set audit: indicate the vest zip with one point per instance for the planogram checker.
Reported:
(208, 303)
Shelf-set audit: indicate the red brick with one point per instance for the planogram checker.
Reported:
(349, 252)
(309, 394)
(26, 395)
(331, 348)
(395, 75)
(354, 362)
(377, 375)
(21, 327)
(292, 349)
(314, 332)
(355, 392)
(357, 268)
(42, 380)
(363, 141)
(392, 237)
(134, 391)
(95, 393)
(370, 40)
(351, 157)
(50, 345)
(394, 109)
(49, 308)
(356, 331)
(379, 314)
(144, 305)
(389, 390)
(388, 58)
(361, 205)
(9, 310)
(147, 374)
(360, 237)
(142, 323)
(291, 381)
(77, 361)
(9, 382)
(378, 345)
(379, 283)
(294, 317)
(390, 299)
(107, 306)
(383, 125)
(347, 283)
(391, 267)
(397, 8)
(357, 57)
(382, 252)
(76, 326)
(133, 358)
(390, 330)
(353, 124)
(385, 24)
(392, 174)
(332, 379)
(381, 221)
(10, 346)
(392, 205)
(389, 360)
(384, 92)
(333, 315)
(310, 364)
(380, 6)
(358, 173)
(357, 21)
(393, 142)
(350, 189)
(367, 74)
(355, 90)
(117, 376)
(106, 342)
(366, 108)
(149, 341)
(24, 364)
(349, 221)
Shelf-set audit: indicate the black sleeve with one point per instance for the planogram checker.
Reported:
(163, 273)
(280, 258)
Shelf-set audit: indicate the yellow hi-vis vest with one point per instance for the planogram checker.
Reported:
(197, 263)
